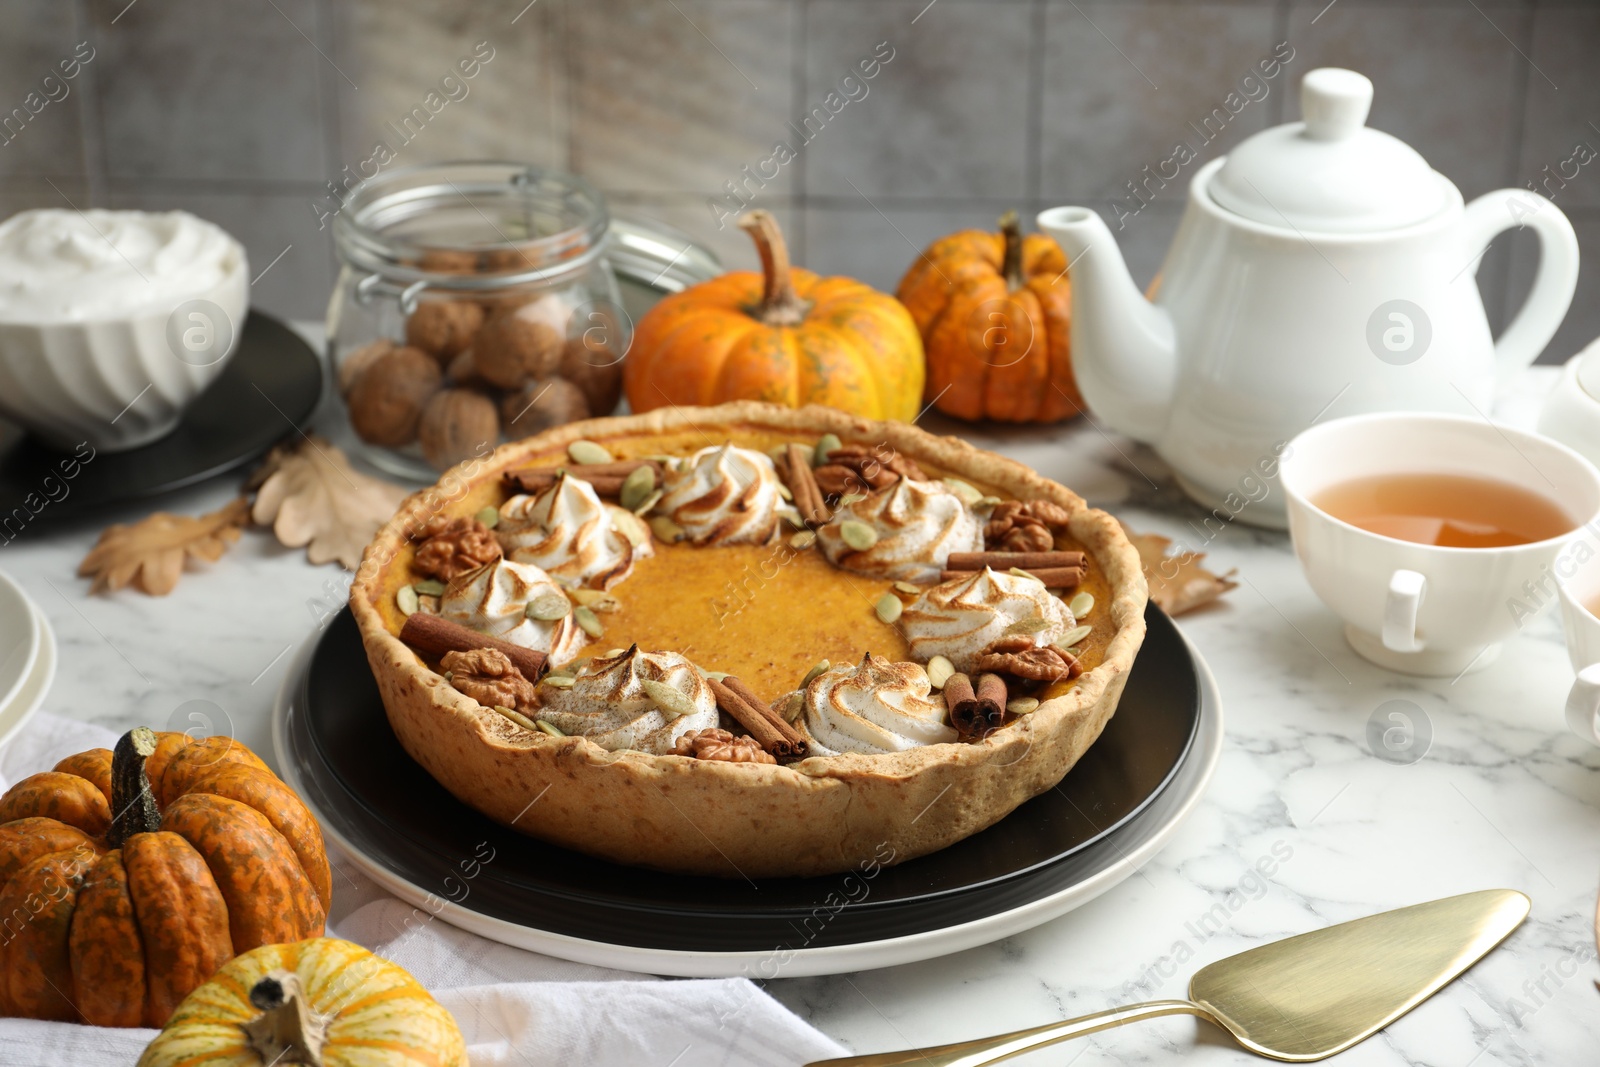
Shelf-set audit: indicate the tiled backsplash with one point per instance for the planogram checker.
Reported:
(898, 120)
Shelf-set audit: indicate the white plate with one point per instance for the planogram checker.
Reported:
(1107, 864)
(30, 694)
(19, 638)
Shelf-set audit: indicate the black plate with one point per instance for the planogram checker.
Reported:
(266, 390)
(353, 771)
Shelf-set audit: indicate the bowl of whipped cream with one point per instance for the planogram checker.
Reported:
(113, 322)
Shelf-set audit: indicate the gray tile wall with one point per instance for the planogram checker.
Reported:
(242, 110)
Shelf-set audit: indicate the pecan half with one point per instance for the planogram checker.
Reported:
(1025, 526)
(856, 468)
(1019, 657)
(488, 676)
(715, 744)
(453, 546)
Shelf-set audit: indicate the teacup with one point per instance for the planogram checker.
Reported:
(1421, 608)
(1580, 589)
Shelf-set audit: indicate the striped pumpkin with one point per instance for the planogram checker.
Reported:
(318, 1003)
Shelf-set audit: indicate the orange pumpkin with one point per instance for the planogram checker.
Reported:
(119, 896)
(994, 311)
(785, 335)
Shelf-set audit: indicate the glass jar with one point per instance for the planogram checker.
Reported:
(475, 303)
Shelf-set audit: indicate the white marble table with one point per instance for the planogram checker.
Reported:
(1502, 797)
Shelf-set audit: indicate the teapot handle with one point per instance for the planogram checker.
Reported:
(1494, 213)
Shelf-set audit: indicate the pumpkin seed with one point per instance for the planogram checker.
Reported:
(792, 517)
(517, 717)
(429, 587)
(889, 607)
(783, 491)
(857, 534)
(984, 503)
(673, 704)
(489, 516)
(639, 483)
(615, 652)
(1074, 636)
(968, 493)
(548, 607)
(803, 539)
(939, 671)
(814, 673)
(1020, 573)
(598, 599)
(1075, 651)
(1022, 706)
(908, 587)
(1034, 624)
(560, 681)
(827, 444)
(1081, 605)
(649, 502)
(790, 705)
(778, 453)
(851, 498)
(449, 676)
(406, 600)
(717, 676)
(549, 728)
(629, 525)
(665, 529)
(588, 621)
(588, 452)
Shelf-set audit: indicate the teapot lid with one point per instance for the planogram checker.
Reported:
(1331, 172)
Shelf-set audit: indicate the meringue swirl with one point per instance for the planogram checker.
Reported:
(960, 618)
(494, 600)
(724, 496)
(609, 702)
(568, 532)
(918, 525)
(873, 708)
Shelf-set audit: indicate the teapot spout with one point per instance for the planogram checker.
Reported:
(1123, 351)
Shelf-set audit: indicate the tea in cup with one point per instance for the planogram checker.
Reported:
(1426, 533)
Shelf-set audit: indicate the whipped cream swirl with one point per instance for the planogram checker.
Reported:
(568, 532)
(873, 708)
(960, 618)
(611, 704)
(918, 525)
(494, 600)
(724, 496)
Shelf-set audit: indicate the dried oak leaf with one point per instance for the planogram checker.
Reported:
(1178, 583)
(312, 496)
(150, 553)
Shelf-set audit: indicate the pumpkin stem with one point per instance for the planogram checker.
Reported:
(1011, 259)
(780, 304)
(133, 805)
(287, 1030)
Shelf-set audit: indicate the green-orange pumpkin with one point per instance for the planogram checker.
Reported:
(127, 879)
(784, 335)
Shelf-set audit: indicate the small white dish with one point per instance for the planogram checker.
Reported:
(1571, 413)
(20, 639)
(15, 712)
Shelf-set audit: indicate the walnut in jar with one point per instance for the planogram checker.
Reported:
(444, 328)
(512, 349)
(386, 401)
(597, 370)
(457, 424)
(541, 404)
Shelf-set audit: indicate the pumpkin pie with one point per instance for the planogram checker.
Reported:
(748, 640)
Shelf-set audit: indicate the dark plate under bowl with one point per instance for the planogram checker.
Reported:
(266, 391)
(352, 770)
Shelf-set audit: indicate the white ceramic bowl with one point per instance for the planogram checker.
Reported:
(122, 380)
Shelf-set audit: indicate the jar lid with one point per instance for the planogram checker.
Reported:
(1331, 172)
(657, 256)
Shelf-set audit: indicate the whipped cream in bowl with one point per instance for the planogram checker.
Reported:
(961, 618)
(114, 315)
(494, 600)
(874, 707)
(724, 495)
(632, 700)
(915, 526)
(568, 532)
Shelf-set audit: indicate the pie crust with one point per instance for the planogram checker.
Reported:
(674, 813)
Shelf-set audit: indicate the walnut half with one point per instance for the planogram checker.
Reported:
(488, 676)
(1031, 526)
(1019, 657)
(715, 744)
(453, 546)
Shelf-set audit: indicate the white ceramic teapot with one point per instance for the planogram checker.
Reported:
(1320, 268)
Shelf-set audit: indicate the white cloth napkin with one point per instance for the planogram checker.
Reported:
(516, 1008)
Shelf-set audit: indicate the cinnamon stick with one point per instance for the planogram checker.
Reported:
(531, 479)
(436, 636)
(765, 725)
(808, 499)
(1052, 577)
(976, 561)
(974, 712)
(535, 481)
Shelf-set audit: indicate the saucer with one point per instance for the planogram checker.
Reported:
(16, 710)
